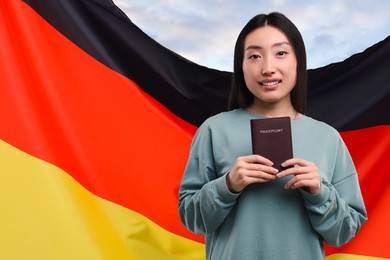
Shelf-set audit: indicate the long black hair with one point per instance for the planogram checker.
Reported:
(240, 96)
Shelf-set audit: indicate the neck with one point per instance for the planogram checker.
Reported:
(270, 110)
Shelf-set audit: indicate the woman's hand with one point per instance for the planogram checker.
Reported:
(250, 169)
(305, 175)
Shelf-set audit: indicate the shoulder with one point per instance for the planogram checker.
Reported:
(220, 124)
(313, 125)
(223, 119)
(311, 131)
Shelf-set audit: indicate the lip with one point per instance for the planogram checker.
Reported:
(270, 83)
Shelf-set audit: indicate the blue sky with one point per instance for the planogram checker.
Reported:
(205, 31)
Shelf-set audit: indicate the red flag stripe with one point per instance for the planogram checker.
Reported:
(369, 149)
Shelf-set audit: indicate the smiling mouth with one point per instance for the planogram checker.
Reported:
(270, 83)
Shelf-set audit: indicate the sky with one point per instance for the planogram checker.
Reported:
(205, 31)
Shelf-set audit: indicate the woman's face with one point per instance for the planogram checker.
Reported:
(269, 66)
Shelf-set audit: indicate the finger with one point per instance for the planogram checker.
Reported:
(302, 180)
(262, 168)
(261, 174)
(261, 177)
(297, 183)
(246, 180)
(292, 171)
(311, 186)
(255, 158)
(295, 161)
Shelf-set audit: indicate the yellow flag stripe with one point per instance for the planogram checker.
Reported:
(351, 257)
(46, 214)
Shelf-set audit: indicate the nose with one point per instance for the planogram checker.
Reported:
(268, 67)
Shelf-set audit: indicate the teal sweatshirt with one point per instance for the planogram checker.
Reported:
(265, 221)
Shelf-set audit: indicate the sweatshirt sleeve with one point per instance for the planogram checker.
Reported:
(337, 213)
(204, 199)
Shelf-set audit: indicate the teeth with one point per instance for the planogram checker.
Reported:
(269, 83)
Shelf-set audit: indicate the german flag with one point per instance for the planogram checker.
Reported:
(97, 119)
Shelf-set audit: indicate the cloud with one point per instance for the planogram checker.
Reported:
(205, 31)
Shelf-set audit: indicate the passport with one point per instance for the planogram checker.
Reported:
(271, 138)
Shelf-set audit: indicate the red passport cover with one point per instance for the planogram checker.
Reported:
(271, 138)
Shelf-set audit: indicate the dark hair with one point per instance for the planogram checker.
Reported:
(240, 96)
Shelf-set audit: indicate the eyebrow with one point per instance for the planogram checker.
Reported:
(256, 47)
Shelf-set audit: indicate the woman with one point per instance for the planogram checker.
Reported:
(244, 206)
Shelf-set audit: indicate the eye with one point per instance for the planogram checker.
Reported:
(254, 57)
(281, 53)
